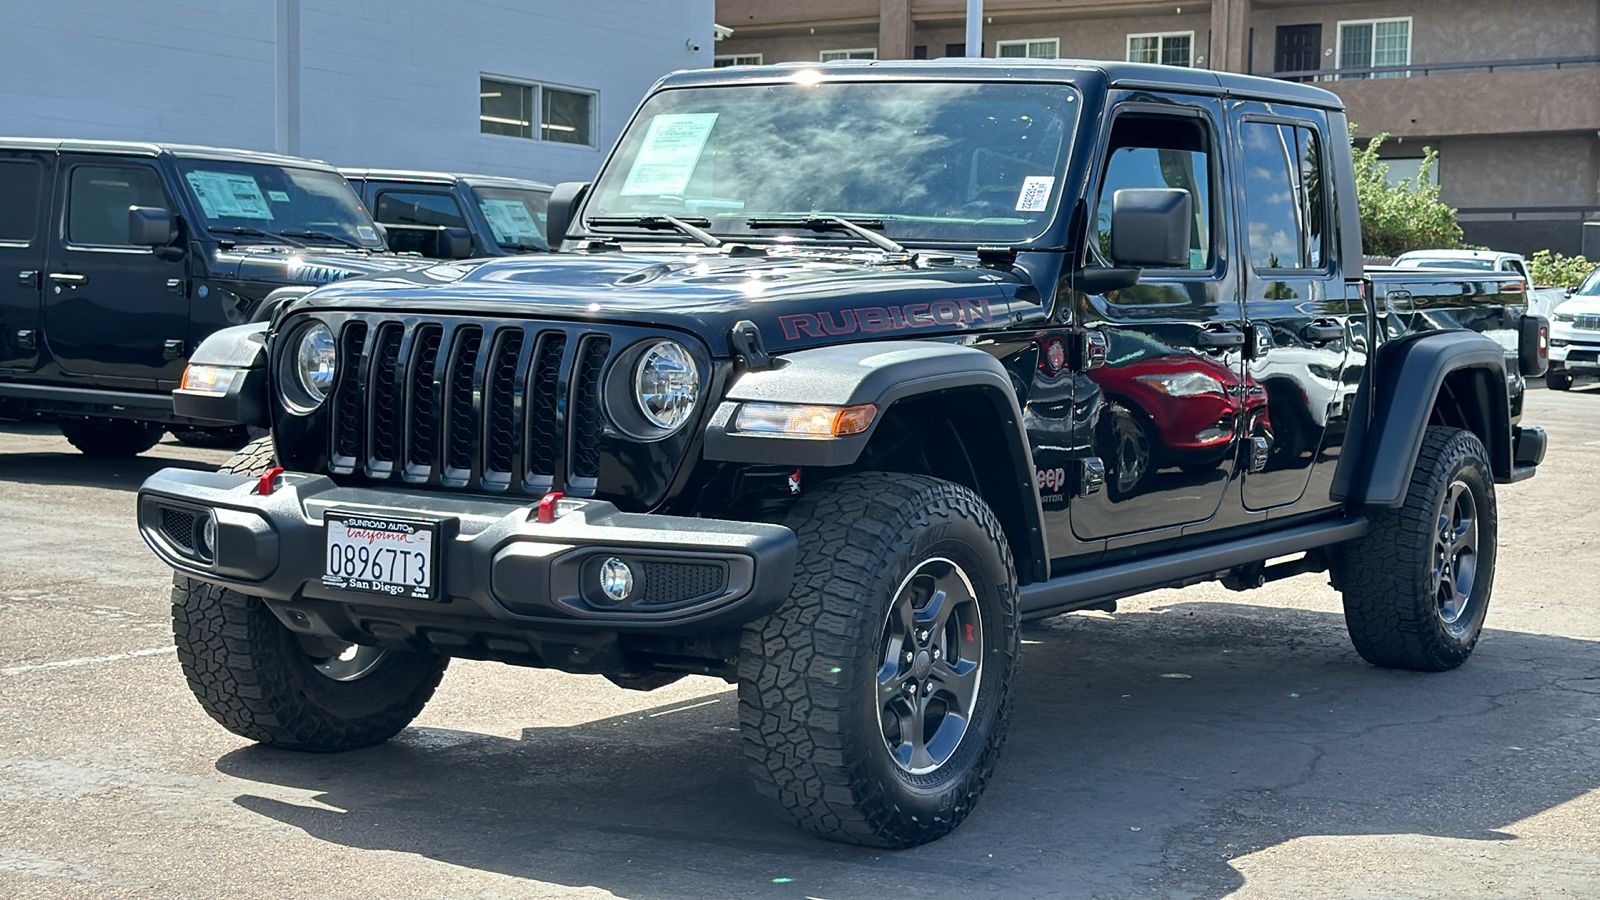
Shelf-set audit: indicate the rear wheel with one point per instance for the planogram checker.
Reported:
(112, 437)
(873, 703)
(1416, 587)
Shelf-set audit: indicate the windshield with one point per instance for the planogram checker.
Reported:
(515, 216)
(959, 162)
(302, 204)
(1591, 285)
(1446, 262)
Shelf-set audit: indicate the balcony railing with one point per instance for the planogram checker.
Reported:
(1426, 69)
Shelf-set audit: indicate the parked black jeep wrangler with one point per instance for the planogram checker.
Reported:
(120, 258)
(843, 371)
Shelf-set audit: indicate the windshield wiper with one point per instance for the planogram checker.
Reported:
(861, 228)
(687, 225)
(255, 232)
(323, 236)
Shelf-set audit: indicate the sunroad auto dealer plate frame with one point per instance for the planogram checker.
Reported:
(397, 557)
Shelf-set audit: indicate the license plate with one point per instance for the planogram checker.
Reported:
(382, 555)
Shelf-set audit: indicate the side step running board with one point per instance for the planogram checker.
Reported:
(1077, 590)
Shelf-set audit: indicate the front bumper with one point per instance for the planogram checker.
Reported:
(1574, 350)
(501, 574)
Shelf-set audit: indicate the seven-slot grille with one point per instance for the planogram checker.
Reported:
(1587, 322)
(478, 406)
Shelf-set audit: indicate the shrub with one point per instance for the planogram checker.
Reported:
(1396, 218)
(1554, 270)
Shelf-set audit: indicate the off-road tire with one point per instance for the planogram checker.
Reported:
(252, 675)
(1391, 603)
(252, 459)
(808, 705)
(112, 438)
(1558, 380)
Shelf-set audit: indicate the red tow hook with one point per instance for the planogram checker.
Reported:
(269, 481)
(547, 507)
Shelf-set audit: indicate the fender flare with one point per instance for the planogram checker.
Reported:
(270, 304)
(1400, 389)
(879, 373)
(241, 347)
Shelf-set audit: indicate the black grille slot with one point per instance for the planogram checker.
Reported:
(422, 422)
(500, 409)
(587, 420)
(461, 426)
(178, 527)
(383, 389)
(669, 583)
(544, 430)
(347, 415)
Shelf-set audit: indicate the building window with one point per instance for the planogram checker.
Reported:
(920, 51)
(1046, 48)
(1371, 43)
(737, 59)
(857, 53)
(955, 50)
(511, 108)
(1175, 48)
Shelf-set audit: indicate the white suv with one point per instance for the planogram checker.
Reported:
(1575, 336)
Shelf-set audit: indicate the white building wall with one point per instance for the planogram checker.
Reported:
(383, 83)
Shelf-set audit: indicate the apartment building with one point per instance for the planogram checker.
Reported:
(1507, 93)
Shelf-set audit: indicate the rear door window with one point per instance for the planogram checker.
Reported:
(1285, 196)
(20, 183)
(98, 198)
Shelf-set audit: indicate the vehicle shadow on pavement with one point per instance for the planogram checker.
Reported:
(1147, 750)
(75, 469)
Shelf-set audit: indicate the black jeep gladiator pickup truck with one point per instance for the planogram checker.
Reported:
(841, 373)
(120, 258)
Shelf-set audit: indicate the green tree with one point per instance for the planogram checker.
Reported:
(1404, 216)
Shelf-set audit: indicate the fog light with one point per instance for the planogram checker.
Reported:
(616, 579)
(208, 536)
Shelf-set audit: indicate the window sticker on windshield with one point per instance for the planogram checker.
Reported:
(670, 152)
(509, 219)
(225, 195)
(1035, 194)
(278, 196)
(366, 232)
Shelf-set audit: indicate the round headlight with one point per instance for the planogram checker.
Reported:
(666, 385)
(315, 361)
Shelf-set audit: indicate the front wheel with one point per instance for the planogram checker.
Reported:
(1416, 587)
(1558, 380)
(874, 702)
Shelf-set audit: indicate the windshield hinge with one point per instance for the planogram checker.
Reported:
(997, 256)
(745, 339)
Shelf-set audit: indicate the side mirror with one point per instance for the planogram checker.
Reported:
(1151, 227)
(453, 242)
(564, 201)
(151, 226)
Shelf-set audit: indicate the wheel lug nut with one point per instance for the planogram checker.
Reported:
(922, 636)
(936, 653)
(910, 656)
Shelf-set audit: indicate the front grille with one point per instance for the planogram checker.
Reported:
(509, 407)
(1587, 322)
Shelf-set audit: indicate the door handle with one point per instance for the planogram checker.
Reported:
(68, 278)
(28, 278)
(1218, 338)
(1322, 331)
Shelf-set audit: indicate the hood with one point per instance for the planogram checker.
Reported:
(798, 298)
(1578, 304)
(275, 264)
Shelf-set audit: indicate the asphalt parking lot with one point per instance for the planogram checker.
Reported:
(1196, 744)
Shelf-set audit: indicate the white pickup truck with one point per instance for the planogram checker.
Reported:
(1541, 301)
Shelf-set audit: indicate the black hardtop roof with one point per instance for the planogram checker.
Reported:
(147, 148)
(1115, 74)
(418, 176)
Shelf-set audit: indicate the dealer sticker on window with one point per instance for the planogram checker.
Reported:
(669, 154)
(227, 195)
(1035, 194)
(381, 555)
